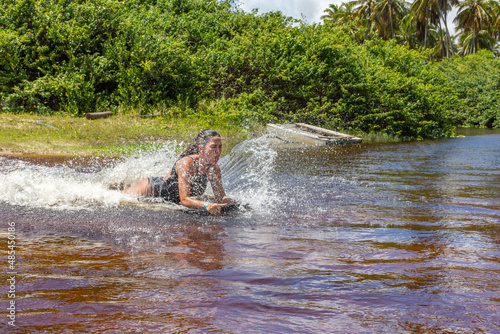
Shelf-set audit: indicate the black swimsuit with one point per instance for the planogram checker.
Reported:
(169, 189)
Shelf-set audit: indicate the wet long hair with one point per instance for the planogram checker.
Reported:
(201, 140)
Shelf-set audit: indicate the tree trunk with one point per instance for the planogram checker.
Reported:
(368, 28)
(448, 39)
(444, 52)
(474, 37)
(97, 115)
(425, 34)
(390, 19)
(448, 33)
(369, 23)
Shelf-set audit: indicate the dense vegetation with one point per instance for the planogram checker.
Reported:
(476, 78)
(206, 59)
(422, 24)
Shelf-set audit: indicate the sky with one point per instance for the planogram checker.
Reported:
(311, 9)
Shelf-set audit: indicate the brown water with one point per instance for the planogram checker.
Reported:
(371, 238)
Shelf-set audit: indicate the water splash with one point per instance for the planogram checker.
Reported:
(141, 165)
(246, 175)
(55, 187)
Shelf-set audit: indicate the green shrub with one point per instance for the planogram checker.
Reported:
(206, 59)
(476, 79)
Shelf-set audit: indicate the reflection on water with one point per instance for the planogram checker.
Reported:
(371, 238)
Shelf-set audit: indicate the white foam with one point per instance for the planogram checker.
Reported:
(246, 175)
(55, 187)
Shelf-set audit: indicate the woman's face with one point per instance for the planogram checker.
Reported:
(211, 152)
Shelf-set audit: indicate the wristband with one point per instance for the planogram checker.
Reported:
(205, 206)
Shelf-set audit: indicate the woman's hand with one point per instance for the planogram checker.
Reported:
(228, 200)
(214, 208)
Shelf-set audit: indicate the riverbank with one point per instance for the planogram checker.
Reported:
(121, 134)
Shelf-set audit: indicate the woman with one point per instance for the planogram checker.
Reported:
(189, 175)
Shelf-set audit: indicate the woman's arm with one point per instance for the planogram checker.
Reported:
(215, 178)
(186, 170)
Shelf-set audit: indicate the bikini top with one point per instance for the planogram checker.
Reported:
(198, 183)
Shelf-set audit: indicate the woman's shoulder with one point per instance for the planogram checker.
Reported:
(187, 162)
(189, 158)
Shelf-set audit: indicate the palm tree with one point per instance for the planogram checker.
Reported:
(389, 13)
(342, 14)
(366, 11)
(473, 15)
(424, 15)
(433, 12)
(407, 33)
(440, 41)
(470, 44)
(332, 13)
(496, 19)
(444, 6)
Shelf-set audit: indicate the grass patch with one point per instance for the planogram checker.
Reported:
(122, 134)
(119, 135)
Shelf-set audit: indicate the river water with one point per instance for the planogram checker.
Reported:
(370, 238)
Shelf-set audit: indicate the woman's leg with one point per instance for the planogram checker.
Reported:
(141, 188)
